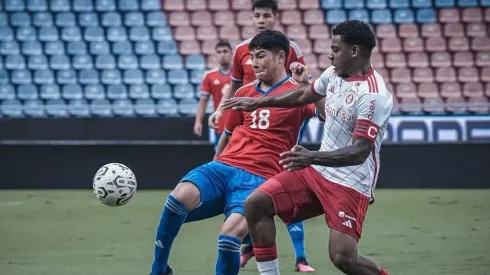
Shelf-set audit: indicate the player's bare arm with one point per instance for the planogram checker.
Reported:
(355, 154)
(201, 110)
(223, 141)
(227, 94)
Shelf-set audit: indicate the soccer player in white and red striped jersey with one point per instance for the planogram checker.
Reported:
(339, 179)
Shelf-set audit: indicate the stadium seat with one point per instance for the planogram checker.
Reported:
(88, 19)
(83, 5)
(20, 19)
(401, 75)
(105, 5)
(381, 16)
(50, 91)
(323, 62)
(111, 19)
(478, 105)
(411, 106)
(144, 47)
(76, 48)
(145, 107)
(195, 5)
(229, 33)
(179, 19)
(456, 105)
(189, 47)
(421, 4)
(377, 4)
(201, 18)
(418, 60)
(331, 4)
(313, 17)
(463, 59)
(117, 91)
(78, 108)
(179, 76)
(473, 90)
(72, 91)
(9, 48)
(296, 32)
(127, 62)
(59, 62)
(167, 107)
(37, 5)
(408, 90)
(30, 48)
(116, 34)
(480, 43)
(431, 30)
(386, 31)
(434, 106)
(411, 45)
(33, 108)
(105, 62)
(291, 17)
(139, 91)
(445, 75)
(217, 5)
(182, 91)
(187, 107)
(247, 32)
(133, 76)
(111, 77)
(11, 108)
(81, 62)
(466, 75)
(335, 16)
(161, 33)
(27, 92)
(155, 77)
(458, 44)
(195, 62)
(403, 16)
(320, 46)
(207, 33)
(482, 59)
(450, 15)
(451, 89)
(4, 77)
(149, 62)
(94, 92)
(48, 34)
(56, 108)
(445, 3)
(223, 18)
(101, 108)
(156, 19)
(150, 5)
(65, 19)
(391, 45)
(311, 60)
(88, 76)
(26, 34)
(359, 14)
(184, 33)
(353, 4)
(377, 60)
(128, 5)
(467, 3)
(308, 4)
(99, 48)
(122, 48)
(161, 91)
(59, 5)
(167, 47)
(19, 77)
(453, 30)
(423, 75)
(435, 44)
(196, 76)
(428, 90)
(7, 92)
(94, 34)
(15, 62)
(476, 30)
(43, 77)
(4, 22)
(172, 62)
(318, 32)
(6, 34)
(123, 108)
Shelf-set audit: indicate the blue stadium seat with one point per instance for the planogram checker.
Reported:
(139, 34)
(26, 34)
(14, 5)
(421, 4)
(81, 62)
(156, 19)
(50, 91)
(128, 5)
(467, 3)
(331, 4)
(150, 62)
(175, 77)
(145, 107)
(161, 91)
(65, 77)
(78, 108)
(139, 91)
(26, 92)
(48, 34)
(122, 47)
(183, 91)
(37, 62)
(54, 48)
(43, 77)
(37, 5)
(7, 92)
(1, 62)
(187, 107)
(21, 77)
(445, 3)
(88, 19)
(88, 76)
(15, 62)
(6, 34)
(377, 4)
(167, 47)
(116, 34)
(32, 48)
(111, 77)
(94, 34)
(60, 62)
(167, 107)
(9, 47)
(144, 47)
(83, 5)
(134, 19)
(34, 108)
(209, 108)
(56, 108)
(195, 62)
(335, 16)
(122, 107)
(155, 77)
(172, 62)
(76, 48)
(133, 76)
(117, 91)
(60, 5)
(105, 5)
(105, 62)
(404, 16)
(127, 62)
(93, 92)
(111, 19)
(196, 76)
(362, 15)
(149, 5)
(3, 19)
(101, 107)
(399, 4)
(484, 3)
(382, 16)
(42, 19)
(353, 4)
(20, 19)
(65, 19)
(11, 108)
(71, 34)
(161, 34)
(4, 77)
(99, 48)
(426, 16)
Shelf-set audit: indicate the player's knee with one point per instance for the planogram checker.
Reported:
(236, 226)
(258, 205)
(343, 258)
(188, 194)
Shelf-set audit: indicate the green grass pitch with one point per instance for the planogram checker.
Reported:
(411, 232)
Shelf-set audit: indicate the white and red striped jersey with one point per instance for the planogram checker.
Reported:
(355, 106)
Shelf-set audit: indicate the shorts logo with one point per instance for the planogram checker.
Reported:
(347, 223)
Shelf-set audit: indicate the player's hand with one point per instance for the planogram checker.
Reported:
(241, 103)
(214, 118)
(198, 129)
(298, 158)
(299, 72)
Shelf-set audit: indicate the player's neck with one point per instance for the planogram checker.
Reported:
(265, 85)
(225, 68)
(360, 70)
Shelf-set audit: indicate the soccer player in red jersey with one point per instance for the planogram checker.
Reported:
(338, 180)
(247, 154)
(214, 82)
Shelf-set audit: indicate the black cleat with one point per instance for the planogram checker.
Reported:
(169, 271)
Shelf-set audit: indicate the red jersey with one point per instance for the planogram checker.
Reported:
(258, 137)
(242, 63)
(213, 83)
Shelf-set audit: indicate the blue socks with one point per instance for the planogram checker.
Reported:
(228, 262)
(171, 219)
(297, 234)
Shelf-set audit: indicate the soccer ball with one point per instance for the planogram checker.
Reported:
(114, 184)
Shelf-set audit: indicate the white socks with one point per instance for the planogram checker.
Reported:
(268, 268)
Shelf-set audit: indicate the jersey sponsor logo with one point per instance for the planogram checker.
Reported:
(343, 215)
(334, 112)
(372, 108)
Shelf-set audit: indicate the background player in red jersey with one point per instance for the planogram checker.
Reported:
(213, 83)
(338, 180)
(247, 155)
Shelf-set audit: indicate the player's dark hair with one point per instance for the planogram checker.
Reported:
(223, 43)
(270, 40)
(355, 32)
(266, 4)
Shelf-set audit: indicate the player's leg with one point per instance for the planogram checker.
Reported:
(216, 140)
(297, 234)
(201, 185)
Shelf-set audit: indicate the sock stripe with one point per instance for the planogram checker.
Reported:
(229, 243)
(175, 206)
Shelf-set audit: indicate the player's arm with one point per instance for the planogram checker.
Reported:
(223, 141)
(201, 107)
(320, 109)
(235, 119)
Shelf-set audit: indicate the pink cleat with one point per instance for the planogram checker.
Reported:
(303, 266)
(246, 255)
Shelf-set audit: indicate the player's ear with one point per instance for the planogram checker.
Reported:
(355, 51)
(281, 56)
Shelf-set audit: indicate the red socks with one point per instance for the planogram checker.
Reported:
(384, 272)
(265, 253)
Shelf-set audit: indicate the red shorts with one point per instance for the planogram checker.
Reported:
(305, 194)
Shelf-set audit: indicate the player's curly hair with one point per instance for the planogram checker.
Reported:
(355, 32)
(266, 4)
(271, 40)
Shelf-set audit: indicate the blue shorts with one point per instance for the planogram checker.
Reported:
(216, 140)
(223, 188)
